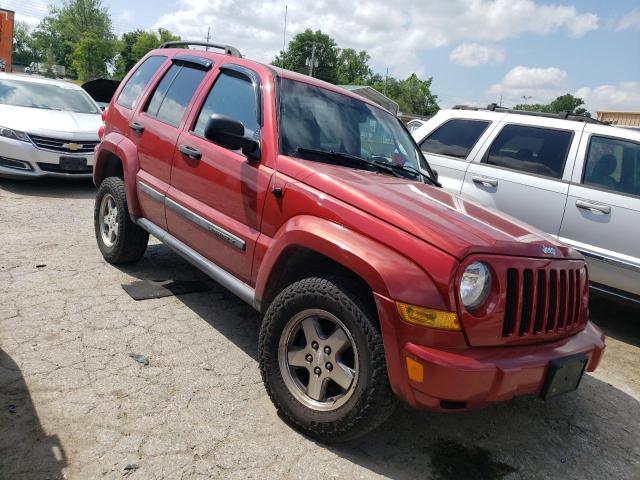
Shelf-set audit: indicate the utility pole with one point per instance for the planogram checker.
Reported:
(312, 62)
(526, 97)
(500, 104)
(208, 36)
(386, 77)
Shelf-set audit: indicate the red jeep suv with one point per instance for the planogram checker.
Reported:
(316, 207)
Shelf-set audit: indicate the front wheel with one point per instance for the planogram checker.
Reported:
(322, 361)
(119, 239)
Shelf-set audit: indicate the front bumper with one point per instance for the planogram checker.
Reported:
(469, 378)
(39, 163)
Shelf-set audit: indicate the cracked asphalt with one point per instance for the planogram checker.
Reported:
(75, 405)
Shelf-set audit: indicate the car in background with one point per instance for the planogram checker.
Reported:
(48, 128)
(415, 124)
(571, 176)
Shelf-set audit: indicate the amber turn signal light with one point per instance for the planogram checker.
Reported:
(415, 370)
(428, 317)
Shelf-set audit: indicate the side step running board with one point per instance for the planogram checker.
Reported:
(224, 278)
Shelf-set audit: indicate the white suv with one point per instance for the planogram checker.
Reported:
(571, 176)
(48, 128)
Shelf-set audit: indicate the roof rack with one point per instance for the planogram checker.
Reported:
(493, 107)
(228, 49)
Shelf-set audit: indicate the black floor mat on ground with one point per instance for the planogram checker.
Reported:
(146, 289)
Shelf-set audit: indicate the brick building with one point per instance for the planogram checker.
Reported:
(6, 37)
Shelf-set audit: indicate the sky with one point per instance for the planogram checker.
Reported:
(477, 51)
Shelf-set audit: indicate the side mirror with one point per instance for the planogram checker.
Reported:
(229, 133)
(435, 174)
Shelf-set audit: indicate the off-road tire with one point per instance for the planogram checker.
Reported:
(131, 241)
(371, 402)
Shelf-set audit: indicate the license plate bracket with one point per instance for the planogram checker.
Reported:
(564, 375)
(73, 164)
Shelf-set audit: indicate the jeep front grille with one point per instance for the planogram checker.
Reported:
(540, 301)
(64, 146)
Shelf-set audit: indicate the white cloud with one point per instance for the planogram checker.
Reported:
(623, 96)
(630, 20)
(540, 85)
(31, 22)
(394, 35)
(474, 55)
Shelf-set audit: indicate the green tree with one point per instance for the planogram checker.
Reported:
(76, 22)
(132, 46)
(90, 56)
(125, 60)
(563, 103)
(299, 52)
(568, 103)
(353, 67)
(147, 41)
(22, 52)
(412, 94)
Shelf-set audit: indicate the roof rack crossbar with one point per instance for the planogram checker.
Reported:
(228, 49)
(493, 107)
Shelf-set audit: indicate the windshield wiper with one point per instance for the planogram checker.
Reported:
(404, 168)
(348, 158)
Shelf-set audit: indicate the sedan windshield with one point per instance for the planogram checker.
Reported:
(46, 96)
(315, 120)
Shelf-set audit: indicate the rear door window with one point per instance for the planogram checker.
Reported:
(541, 151)
(613, 164)
(174, 92)
(136, 84)
(455, 138)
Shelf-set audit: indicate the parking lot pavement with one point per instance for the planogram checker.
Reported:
(74, 404)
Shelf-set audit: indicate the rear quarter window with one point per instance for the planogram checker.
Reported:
(131, 92)
(613, 164)
(455, 138)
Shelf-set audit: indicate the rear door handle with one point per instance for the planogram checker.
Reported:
(487, 182)
(190, 152)
(593, 207)
(136, 127)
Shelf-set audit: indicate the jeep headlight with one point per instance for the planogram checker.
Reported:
(475, 285)
(13, 134)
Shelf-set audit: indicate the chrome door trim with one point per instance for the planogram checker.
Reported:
(210, 227)
(614, 292)
(218, 231)
(151, 192)
(611, 261)
(224, 278)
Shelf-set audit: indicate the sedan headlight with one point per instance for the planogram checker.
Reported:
(13, 134)
(475, 285)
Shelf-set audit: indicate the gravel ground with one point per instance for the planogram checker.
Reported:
(74, 404)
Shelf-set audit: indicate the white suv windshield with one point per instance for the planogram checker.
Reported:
(316, 119)
(45, 96)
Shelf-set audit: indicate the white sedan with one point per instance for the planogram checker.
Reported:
(47, 128)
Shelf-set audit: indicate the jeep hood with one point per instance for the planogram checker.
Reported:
(447, 220)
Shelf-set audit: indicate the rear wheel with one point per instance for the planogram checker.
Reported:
(322, 361)
(119, 239)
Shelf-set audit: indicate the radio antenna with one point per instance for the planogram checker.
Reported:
(277, 191)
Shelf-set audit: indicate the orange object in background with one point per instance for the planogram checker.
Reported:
(6, 37)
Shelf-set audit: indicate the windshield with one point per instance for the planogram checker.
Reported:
(45, 96)
(312, 119)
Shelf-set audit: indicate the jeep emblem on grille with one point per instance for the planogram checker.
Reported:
(549, 250)
(72, 146)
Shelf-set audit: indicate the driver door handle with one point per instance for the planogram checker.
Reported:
(593, 207)
(487, 182)
(190, 152)
(136, 127)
